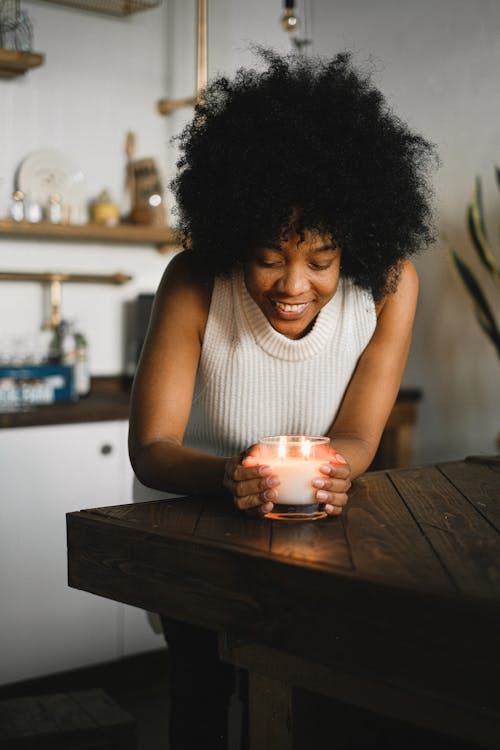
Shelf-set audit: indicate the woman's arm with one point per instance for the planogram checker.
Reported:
(371, 393)
(374, 387)
(162, 395)
(164, 384)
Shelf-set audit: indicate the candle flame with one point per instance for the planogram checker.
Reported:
(282, 447)
(305, 447)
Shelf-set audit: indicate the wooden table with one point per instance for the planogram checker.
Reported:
(394, 607)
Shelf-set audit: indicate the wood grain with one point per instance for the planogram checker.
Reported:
(123, 233)
(384, 540)
(399, 600)
(172, 516)
(270, 708)
(398, 699)
(169, 573)
(455, 529)
(221, 522)
(322, 542)
(478, 486)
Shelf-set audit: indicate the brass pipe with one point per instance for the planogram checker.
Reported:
(201, 56)
(56, 279)
(56, 276)
(55, 304)
(166, 106)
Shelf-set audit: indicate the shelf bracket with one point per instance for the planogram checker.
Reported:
(166, 106)
(56, 279)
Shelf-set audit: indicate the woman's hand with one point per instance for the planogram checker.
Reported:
(332, 489)
(251, 484)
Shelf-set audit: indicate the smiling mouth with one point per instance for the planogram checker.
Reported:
(290, 311)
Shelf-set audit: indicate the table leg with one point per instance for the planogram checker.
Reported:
(270, 713)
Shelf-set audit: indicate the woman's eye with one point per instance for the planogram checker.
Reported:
(270, 263)
(320, 266)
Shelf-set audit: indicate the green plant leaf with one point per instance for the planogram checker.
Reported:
(477, 202)
(477, 231)
(482, 309)
(497, 174)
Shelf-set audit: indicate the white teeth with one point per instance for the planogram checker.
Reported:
(290, 308)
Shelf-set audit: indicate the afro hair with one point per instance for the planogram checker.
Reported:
(306, 143)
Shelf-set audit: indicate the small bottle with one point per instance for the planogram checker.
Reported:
(33, 211)
(104, 211)
(54, 209)
(68, 344)
(81, 369)
(55, 346)
(17, 206)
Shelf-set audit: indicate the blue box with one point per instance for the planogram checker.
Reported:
(35, 385)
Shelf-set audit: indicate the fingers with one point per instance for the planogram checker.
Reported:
(250, 461)
(250, 457)
(253, 486)
(336, 458)
(332, 489)
(248, 494)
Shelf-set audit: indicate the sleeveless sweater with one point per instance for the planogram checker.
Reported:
(253, 381)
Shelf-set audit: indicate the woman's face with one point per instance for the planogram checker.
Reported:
(292, 282)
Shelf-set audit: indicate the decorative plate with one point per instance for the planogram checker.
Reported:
(46, 172)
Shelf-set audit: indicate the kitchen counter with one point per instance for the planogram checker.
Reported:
(108, 400)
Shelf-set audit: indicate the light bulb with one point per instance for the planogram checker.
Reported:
(289, 20)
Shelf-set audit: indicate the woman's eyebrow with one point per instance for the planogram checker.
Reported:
(324, 248)
(320, 249)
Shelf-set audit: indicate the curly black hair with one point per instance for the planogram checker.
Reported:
(306, 143)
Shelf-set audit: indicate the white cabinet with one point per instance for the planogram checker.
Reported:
(45, 626)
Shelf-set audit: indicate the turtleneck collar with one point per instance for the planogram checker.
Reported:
(280, 346)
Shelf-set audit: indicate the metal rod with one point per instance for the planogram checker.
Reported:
(166, 106)
(56, 276)
(202, 46)
(55, 304)
(56, 279)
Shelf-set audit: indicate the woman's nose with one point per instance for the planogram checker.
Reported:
(293, 281)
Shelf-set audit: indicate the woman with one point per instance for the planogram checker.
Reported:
(301, 198)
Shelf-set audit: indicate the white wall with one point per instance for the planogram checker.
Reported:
(102, 77)
(438, 65)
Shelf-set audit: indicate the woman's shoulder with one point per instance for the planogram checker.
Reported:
(405, 292)
(183, 277)
(183, 270)
(185, 290)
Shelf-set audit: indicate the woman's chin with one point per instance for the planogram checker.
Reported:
(292, 328)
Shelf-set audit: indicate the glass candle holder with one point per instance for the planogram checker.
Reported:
(295, 459)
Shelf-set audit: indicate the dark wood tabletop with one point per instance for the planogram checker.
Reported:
(394, 606)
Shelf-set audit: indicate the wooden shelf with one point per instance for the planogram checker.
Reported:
(110, 7)
(164, 238)
(14, 63)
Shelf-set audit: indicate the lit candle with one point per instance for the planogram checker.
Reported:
(296, 461)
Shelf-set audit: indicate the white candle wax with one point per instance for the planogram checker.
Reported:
(296, 476)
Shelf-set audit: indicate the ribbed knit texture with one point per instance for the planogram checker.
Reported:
(253, 381)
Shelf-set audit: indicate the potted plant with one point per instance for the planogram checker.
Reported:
(481, 245)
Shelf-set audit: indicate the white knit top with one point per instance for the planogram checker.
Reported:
(253, 381)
